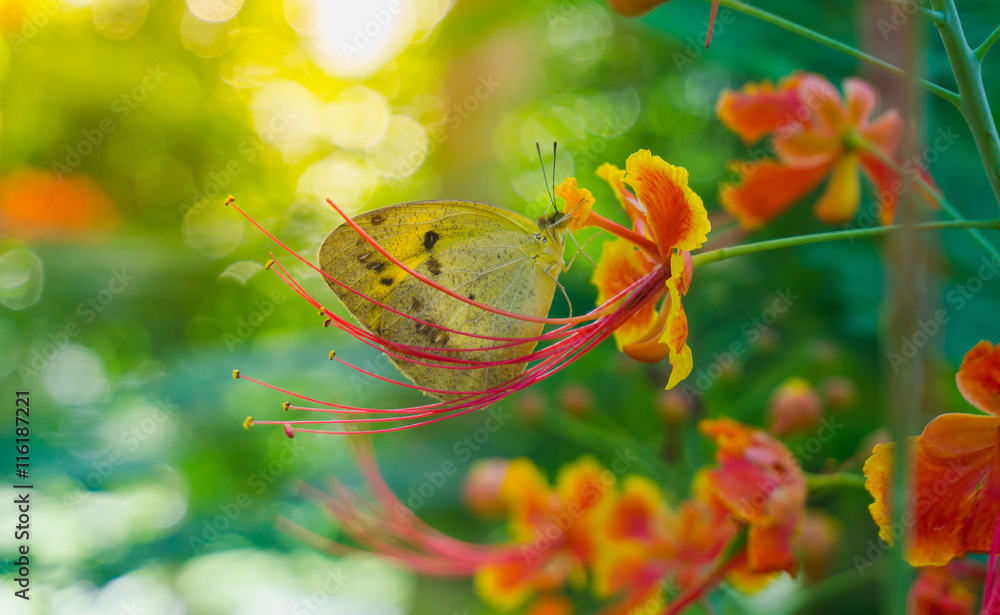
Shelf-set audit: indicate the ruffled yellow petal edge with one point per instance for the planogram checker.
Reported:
(579, 203)
(677, 216)
(878, 471)
(675, 335)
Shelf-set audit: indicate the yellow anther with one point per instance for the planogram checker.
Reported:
(333, 353)
(327, 322)
(236, 374)
(230, 199)
(247, 423)
(322, 311)
(267, 265)
(286, 405)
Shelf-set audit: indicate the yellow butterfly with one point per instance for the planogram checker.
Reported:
(490, 255)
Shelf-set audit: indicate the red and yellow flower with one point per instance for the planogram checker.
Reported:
(815, 134)
(552, 528)
(955, 468)
(668, 221)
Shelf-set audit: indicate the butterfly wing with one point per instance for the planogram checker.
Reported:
(491, 255)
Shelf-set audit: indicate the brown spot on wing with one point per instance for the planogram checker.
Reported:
(376, 266)
(416, 305)
(430, 238)
(376, 219)
(387, 281)
(434, 266)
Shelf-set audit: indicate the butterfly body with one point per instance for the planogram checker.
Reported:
(490, 255)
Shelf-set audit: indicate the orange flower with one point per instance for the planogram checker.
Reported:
(955, 472)
(668, 221)
(936, 591)
(553, 528)
(759, 482)
(815, 134)
(38, 205)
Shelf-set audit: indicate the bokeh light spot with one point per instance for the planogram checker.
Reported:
(22, 277)
(75, 376)
(357, 118)
(401, 150)
(215, 10)
(120, 19)
(212, 229)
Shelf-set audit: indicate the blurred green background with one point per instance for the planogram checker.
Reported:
(128, 293)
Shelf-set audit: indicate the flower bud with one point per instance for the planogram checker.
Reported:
(794, 407)
(481, 489)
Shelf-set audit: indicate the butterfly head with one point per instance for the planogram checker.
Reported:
(553, 231)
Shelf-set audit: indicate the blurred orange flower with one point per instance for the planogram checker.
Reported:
(553, 528)
(815, 134)
(936, 591)
(759, 482)
(956, 472)
(35, 205)
(668, 221)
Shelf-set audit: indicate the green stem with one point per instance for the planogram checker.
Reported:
(781, 22)
(837, 480)
(800, 240)
(983, 49)
(969, 77)
(937, 196)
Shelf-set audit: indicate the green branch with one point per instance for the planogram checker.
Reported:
(715, 256)
(983, 49)
(781, 22)
(936, 195)
(969, 77)
(837, 480)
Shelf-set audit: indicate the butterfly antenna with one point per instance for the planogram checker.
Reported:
(555, 145)
(541, 161)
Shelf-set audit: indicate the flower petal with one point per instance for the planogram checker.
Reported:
(635, 210)
(979, 377)
(528, 498)
(759, 108)
(861, 99)
(620, 265)
(677, 217)
(676, 332)
(955, 493)
(839, 202)
(887, 183)
(579, 202)
(766, 189)
(827, 113)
